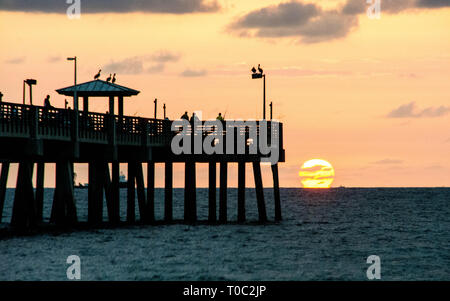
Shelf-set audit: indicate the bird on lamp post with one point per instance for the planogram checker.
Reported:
(259, 73)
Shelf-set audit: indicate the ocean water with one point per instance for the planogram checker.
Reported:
(324, 235)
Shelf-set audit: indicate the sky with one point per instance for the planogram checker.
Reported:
(369, 95)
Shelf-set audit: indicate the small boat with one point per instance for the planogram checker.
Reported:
(122, 181)
(81, 186)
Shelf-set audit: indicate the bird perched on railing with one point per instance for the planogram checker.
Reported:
(109, 78)
(114, 78)
(260, 69)
(254, 70)
(98, 74)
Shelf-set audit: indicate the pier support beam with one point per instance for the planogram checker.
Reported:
(190, 189)
(223, 192)
(24, 208)
(95, 192)
(212, 169)
(259, 192)
(241, 191)
(276, 192)
(151, 191)
(40, 190)
(3, 182)
(107, 185)
(115, 193)
(63, 210)
(168, 191)
(131, 209)
(142, 202)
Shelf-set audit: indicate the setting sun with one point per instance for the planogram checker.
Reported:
(316, 173)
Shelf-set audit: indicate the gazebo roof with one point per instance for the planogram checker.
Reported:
(98, 88)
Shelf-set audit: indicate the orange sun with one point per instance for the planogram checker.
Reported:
(316, 173)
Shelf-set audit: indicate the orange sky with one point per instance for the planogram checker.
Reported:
(333, 96)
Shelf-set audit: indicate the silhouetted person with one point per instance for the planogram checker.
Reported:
(47, 103)
(219, 117)
(98, 74)
(185, 116)
(194, 118)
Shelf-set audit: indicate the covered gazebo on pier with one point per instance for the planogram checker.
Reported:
(100, 88)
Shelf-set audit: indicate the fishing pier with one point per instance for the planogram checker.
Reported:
(33, 136)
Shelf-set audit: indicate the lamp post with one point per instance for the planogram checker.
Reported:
(30, 82)
(75, 108)
(156, 105)
(75, 96)
(164, 107)
(259, 73)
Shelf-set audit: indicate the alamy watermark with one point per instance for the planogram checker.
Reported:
(238, 137)
(374, 270)
(374, 9)
(74, 9)
(74, 270)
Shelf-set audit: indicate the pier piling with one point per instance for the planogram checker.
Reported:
(212, 182)
(40, 190)
(276, 192)
(24, 208)
(151, 191)
(259, 192)
(3, 182)
(241, 191)
(168, 191)
(131, 206)
(223, 192)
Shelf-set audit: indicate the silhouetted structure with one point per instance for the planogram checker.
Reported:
(37, 135)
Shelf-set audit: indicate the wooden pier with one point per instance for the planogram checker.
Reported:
(33, 136)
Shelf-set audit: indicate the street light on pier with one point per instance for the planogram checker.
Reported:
(75, 96)
(256, 74)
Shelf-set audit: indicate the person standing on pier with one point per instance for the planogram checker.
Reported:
(219, 117)
(47, 103)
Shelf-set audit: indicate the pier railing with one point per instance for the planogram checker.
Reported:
(26, 121)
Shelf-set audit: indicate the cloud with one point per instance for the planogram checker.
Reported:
(53, 59)
(387, 162)
(294, 19)
(297, 71)
(312, 24)
(355, 7)
(433, 3)
(153, 63)
(193, 73)
(16, 60)
(114, 6)
(165, 56)
(409, 111)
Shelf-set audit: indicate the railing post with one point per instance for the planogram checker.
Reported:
(74, 130)
(34, 122)
(111, 130)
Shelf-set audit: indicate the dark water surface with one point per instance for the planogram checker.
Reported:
(325, 235)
